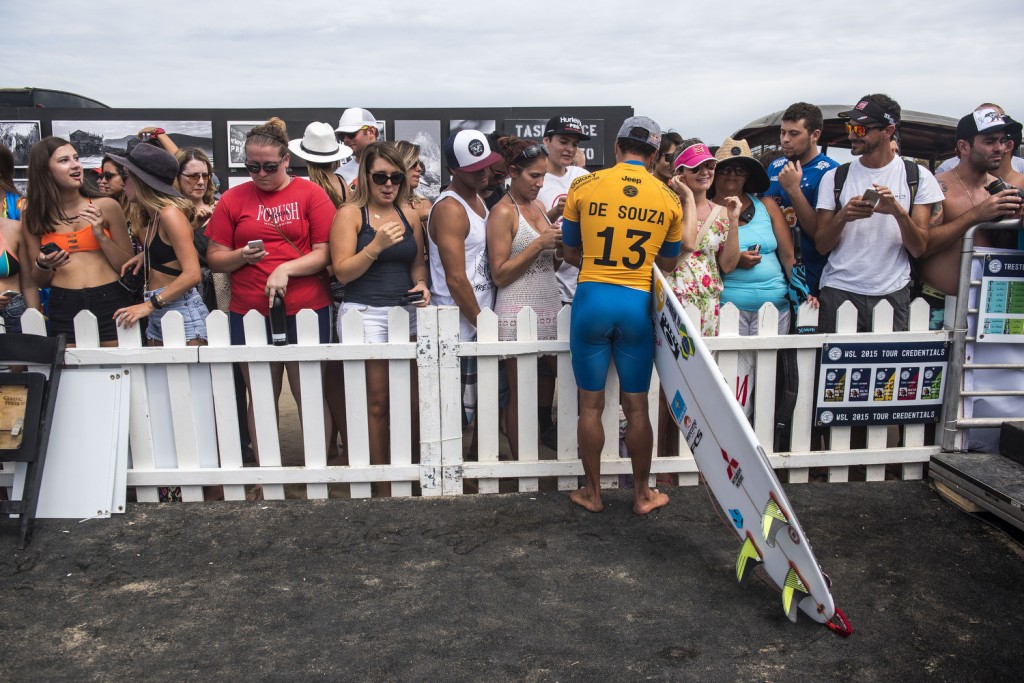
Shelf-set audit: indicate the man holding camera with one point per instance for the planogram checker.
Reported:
(974, 194)
(875, 222)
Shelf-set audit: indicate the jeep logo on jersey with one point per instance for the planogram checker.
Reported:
(476, 148)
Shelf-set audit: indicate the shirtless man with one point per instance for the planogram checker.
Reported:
(983, 141)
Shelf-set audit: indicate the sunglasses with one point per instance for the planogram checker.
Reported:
(382, 178)
(342, 135)
(530, 153)
(108, 176)
(861, 131)
(708, 166)
(267, 167)
(734, 169)
(206, 176)
(668, 157)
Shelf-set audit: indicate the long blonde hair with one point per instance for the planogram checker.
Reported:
(321, 175)
(149, 203)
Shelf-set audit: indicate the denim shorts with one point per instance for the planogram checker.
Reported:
(101, 301)
(11, 313)
(192, 310)
(375, 321)
(237, 327)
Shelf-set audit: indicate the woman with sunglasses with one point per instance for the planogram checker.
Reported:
(89, 241)
(169, 261)
(764, 240)
(698, 277)
(195, 181)
(271, 235)
(377, 251)
(111, 180)
(411, 156)
(521, 247)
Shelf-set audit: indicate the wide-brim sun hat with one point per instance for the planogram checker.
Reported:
(738, 152)
(319, 145)
(153, 165)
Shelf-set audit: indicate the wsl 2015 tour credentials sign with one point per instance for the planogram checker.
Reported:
(1001, 310)
(876, 384)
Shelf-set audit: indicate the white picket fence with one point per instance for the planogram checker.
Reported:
(183, 426)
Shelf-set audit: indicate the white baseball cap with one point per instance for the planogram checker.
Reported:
(468, 150)
(355, 119)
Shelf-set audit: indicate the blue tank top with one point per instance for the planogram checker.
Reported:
(750, 288)
(387, 280)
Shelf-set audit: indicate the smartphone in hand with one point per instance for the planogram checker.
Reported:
(49, 248)
(256, 245)
(871, 196)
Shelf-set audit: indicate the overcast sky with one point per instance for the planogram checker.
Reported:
(702, 68)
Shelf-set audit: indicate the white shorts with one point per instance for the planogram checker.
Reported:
(375, 321)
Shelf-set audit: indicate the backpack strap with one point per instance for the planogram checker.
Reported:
(841, 172)
(913, 178)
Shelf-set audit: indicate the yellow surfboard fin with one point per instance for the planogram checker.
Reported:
(748, 560)
(772, 520)
(792, 593)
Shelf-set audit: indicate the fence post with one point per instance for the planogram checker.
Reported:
(450, 400)
(311, 390)
(913, 434)
(428, 372)
(264, 405)
(487, 411)
(358, 446)
(179, 391)
(222, 378)
(846, 323)
(400, 401)
(803, 412)
(878, 435)
(568, 404)
(526, 396)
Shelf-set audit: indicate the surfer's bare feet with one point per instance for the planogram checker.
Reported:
(650, 500)
(587, 500)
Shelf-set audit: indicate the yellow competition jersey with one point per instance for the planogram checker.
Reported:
(625, 215)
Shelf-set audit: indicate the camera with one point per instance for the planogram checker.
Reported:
(998, 185)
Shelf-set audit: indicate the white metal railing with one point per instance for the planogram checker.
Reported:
(183, 426)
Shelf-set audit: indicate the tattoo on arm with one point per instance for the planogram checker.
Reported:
(936, 218)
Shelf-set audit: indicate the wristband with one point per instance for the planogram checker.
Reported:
(157, 131)
(44, 268)
(156, 302)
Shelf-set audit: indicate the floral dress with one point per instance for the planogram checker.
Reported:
(698, 281)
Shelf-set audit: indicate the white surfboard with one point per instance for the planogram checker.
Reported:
(734, 465)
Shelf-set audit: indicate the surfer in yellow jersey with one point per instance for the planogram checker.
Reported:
(617, 223)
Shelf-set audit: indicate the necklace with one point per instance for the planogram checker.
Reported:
(378, 215)
(966, 191)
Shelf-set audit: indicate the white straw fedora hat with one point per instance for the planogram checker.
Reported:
(319, 145)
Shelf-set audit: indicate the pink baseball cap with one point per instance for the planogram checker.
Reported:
(693, 156)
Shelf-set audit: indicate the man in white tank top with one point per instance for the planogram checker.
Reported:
(457, 232)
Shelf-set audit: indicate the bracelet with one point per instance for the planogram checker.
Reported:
(44, 268)
(158, 131)
(156, 302)
(372, 258)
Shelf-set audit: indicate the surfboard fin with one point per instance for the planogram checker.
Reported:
(772, 520)
(748, 560)
(792, 593)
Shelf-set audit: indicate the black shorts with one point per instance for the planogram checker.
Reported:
(101, 301)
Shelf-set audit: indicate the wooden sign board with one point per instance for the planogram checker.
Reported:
(13, 403)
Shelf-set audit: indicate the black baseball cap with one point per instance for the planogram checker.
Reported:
(871, 110)
(985, 122)
(565, 125)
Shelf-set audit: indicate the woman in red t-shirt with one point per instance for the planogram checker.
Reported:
(292, 217)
